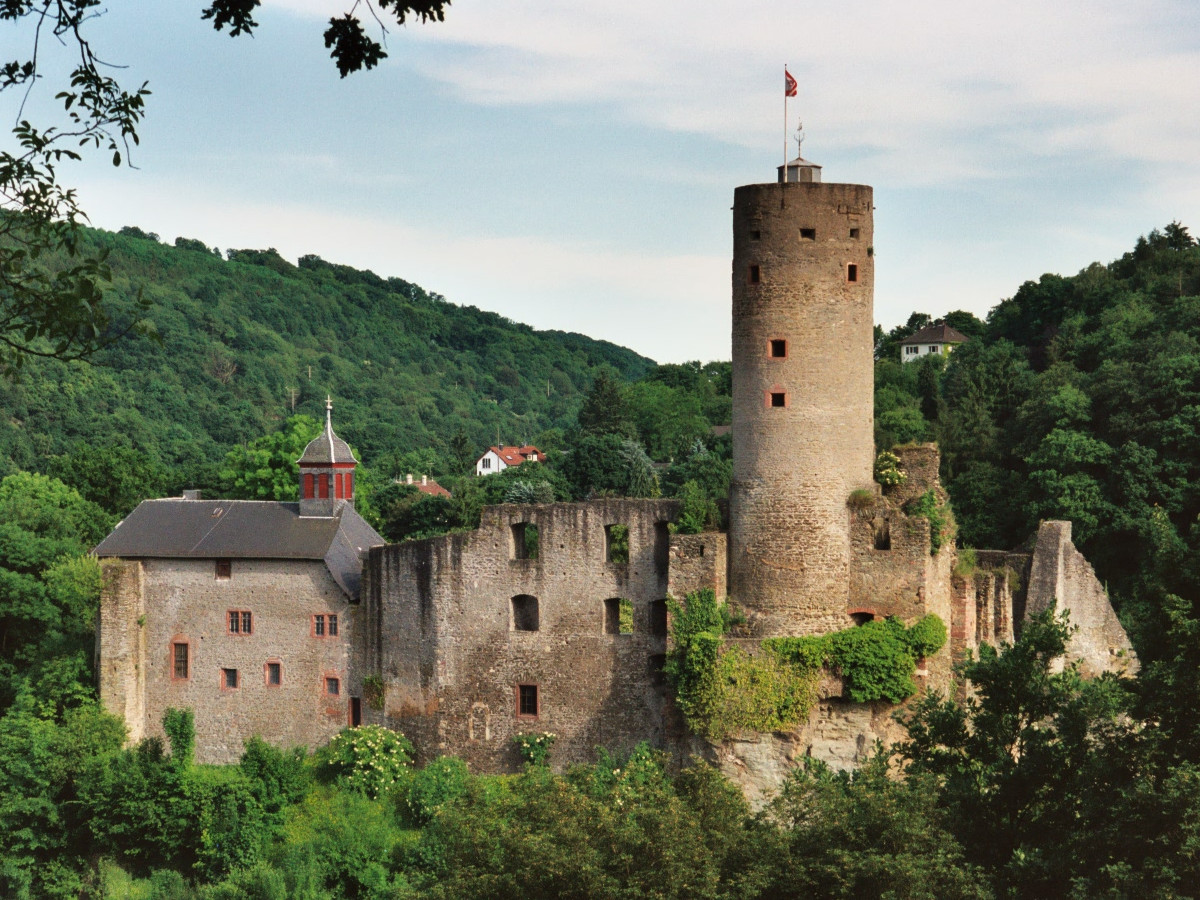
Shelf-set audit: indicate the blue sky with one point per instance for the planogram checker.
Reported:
(572, 164)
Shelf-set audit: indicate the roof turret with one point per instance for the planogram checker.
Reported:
(327, 448)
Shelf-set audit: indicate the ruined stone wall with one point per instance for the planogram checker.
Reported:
(1061, 579)
(697, 561)
(121, 644)
(181, 600)
(795, 463)
(441, 618)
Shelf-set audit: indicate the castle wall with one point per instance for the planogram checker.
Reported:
(453, 657)
(796, 458)
(150, 604)
(1061, 579)
(697, 561)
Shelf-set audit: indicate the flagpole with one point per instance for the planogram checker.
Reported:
(785, 121)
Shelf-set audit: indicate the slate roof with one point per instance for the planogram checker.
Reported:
(326, 448)
(244, 529)
(936, 334)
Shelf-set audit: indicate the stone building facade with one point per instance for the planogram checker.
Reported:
(554, 617)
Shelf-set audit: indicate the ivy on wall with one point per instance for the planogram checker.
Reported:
(723, 689)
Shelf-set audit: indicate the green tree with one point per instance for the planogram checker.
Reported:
(605, 409)
(265, 469)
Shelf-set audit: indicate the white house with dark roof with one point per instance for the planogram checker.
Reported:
(939, 339)
(245, 611)
(497, 459)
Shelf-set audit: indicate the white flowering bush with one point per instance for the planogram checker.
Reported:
(370, 759)
(535, 747)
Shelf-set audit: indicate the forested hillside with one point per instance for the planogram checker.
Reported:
(245, 342)
(1079, 399)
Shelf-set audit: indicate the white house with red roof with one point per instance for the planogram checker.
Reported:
(497, 459)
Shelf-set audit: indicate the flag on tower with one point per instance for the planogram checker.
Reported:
(789, 84)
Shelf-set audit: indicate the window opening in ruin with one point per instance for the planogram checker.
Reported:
(525, 541)
(224, 569)
(883, 535)
(616, 544)
(240, 621)
(777, 348)
(852, 273)
(527, 700)
(808, 234)
(524, 613)
(274, 674)
(854, 234)
(333, 686)
(778, 398)
(755, 235)
(355, 711)
(658, 618)
(229, 679)
(755, 275)
(657, 666)
(662, 548)
(862, 618)
(618, 616)
(179, 658)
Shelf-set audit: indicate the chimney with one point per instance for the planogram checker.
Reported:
(191, 494)
(424, 479)
(408, 479)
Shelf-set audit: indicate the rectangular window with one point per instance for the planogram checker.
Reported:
(224, 569)
(333, 686)
(852, 273)
(755, 275)
(240, 621)
(527, 700)
(229, 679)
(808, 234)
(323, 486)
(308, 486)
(755, 235)
(333, 625)
(337, 485)
(319, 626)
(854, 234)
(778, 398)
(179, 656)
(485, 463)
(778, 348)
(274, 674)
(616, 544)
(349, 485)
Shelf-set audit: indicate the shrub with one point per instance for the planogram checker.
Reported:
(860, 499)
(535, 747)
(887, 469)
(373, 692)
(966, 564)
(697, 512)
(927, 636)
(941, 523)
(432, 787)
(371, 760)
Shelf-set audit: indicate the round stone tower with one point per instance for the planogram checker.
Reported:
(803, 372)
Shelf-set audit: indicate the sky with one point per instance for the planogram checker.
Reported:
(572, 164)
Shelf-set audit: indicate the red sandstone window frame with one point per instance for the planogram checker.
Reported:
(179, 640)
(770, 393)
(278, 664)
(334, 680)
(223, 569)
(537, 701)
(323, 625)
(243, 625)
(772, 347)
(225, 679)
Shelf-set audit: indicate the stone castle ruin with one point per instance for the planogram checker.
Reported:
(293, 620)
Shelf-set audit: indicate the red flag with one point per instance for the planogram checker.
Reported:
(789, 84)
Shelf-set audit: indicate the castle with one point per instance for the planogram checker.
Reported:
(293, 620)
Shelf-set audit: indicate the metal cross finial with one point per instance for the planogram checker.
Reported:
(328, 401)
(799, 139)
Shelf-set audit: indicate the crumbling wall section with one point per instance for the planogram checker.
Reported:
(121, 643)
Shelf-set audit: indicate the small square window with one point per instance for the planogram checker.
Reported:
(854, 234)
(224, 569)
(229, 679)
(778, 398)
(333, 686)
(778, 348)
(755, 235)
(274, 674)
(808, 234)
(527, 700)
(852, 273)
(755, 275)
